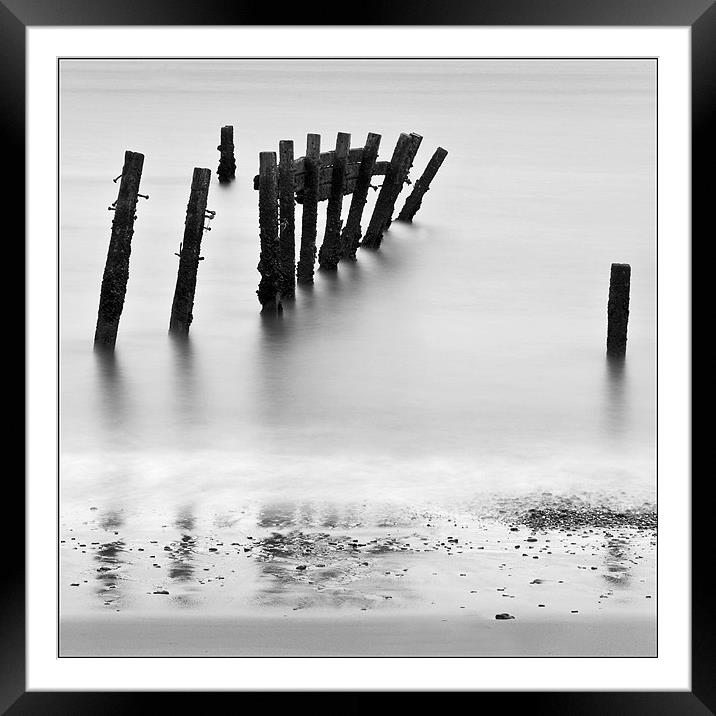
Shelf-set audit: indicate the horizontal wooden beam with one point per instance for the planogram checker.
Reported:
(326, 174)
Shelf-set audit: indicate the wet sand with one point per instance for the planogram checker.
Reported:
(539, 576)
(370, 635)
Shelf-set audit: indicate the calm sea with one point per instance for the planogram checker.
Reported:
(465, 358)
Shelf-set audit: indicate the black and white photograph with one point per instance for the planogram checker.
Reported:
(357, 357)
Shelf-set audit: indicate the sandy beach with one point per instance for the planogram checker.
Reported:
(564, 577)
(370, 636)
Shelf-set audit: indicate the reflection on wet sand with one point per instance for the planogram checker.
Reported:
(107, 557)
(307, 568)
(181, 554)
(616, 560)
(290, 556)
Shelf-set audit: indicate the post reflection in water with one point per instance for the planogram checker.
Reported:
(111, 393)
(184, 368)
(616, 394)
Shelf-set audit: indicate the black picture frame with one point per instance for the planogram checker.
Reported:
(699, 15)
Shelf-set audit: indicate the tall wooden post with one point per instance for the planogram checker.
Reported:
(331, 249)
(415, 140)
(618, 309)
(287, 232)
(269, 286)
(227, 161)
(413, 202)
(307, 255)
(189, 254)
(352, 231)
(116, 269)
(400, 163)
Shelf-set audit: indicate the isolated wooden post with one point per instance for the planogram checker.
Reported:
(413, 202)
(331, 249)
(307, 255)
(618, 309)
(400, 163)
(352, 231)
(287, 232)
(227, 161)
(269, 286)
(116, 268)
(189, 253)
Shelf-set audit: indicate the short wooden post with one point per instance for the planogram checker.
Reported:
(331, 248)
(352, 231)
(116, 268)
(269, 286)
(227, 161)
(189, 253)
(400, 163)
(618, 309)
(307, 254)
(287, 232)
(413, 202)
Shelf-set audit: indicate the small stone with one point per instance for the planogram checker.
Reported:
(504, 615)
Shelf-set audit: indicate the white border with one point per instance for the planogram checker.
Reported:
(671, 671)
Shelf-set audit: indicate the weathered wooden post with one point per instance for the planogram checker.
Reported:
(269, 286)
(331, 248)
(400, 163)
(227, 162)
(352, 230)
(618, 309)
(415, 140)
(190, 248)
(307, 254)
(116, 268)
(287, 232)
(413, 202)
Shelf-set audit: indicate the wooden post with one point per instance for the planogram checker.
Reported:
(413, 202)
(116, 268)
(183, 303)
(287, 233)
(400, 163)
(307, 255)
(415, 140)
(352, 230)
(227, 162)
(331, 249)
(618, 309)
(269, 286)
